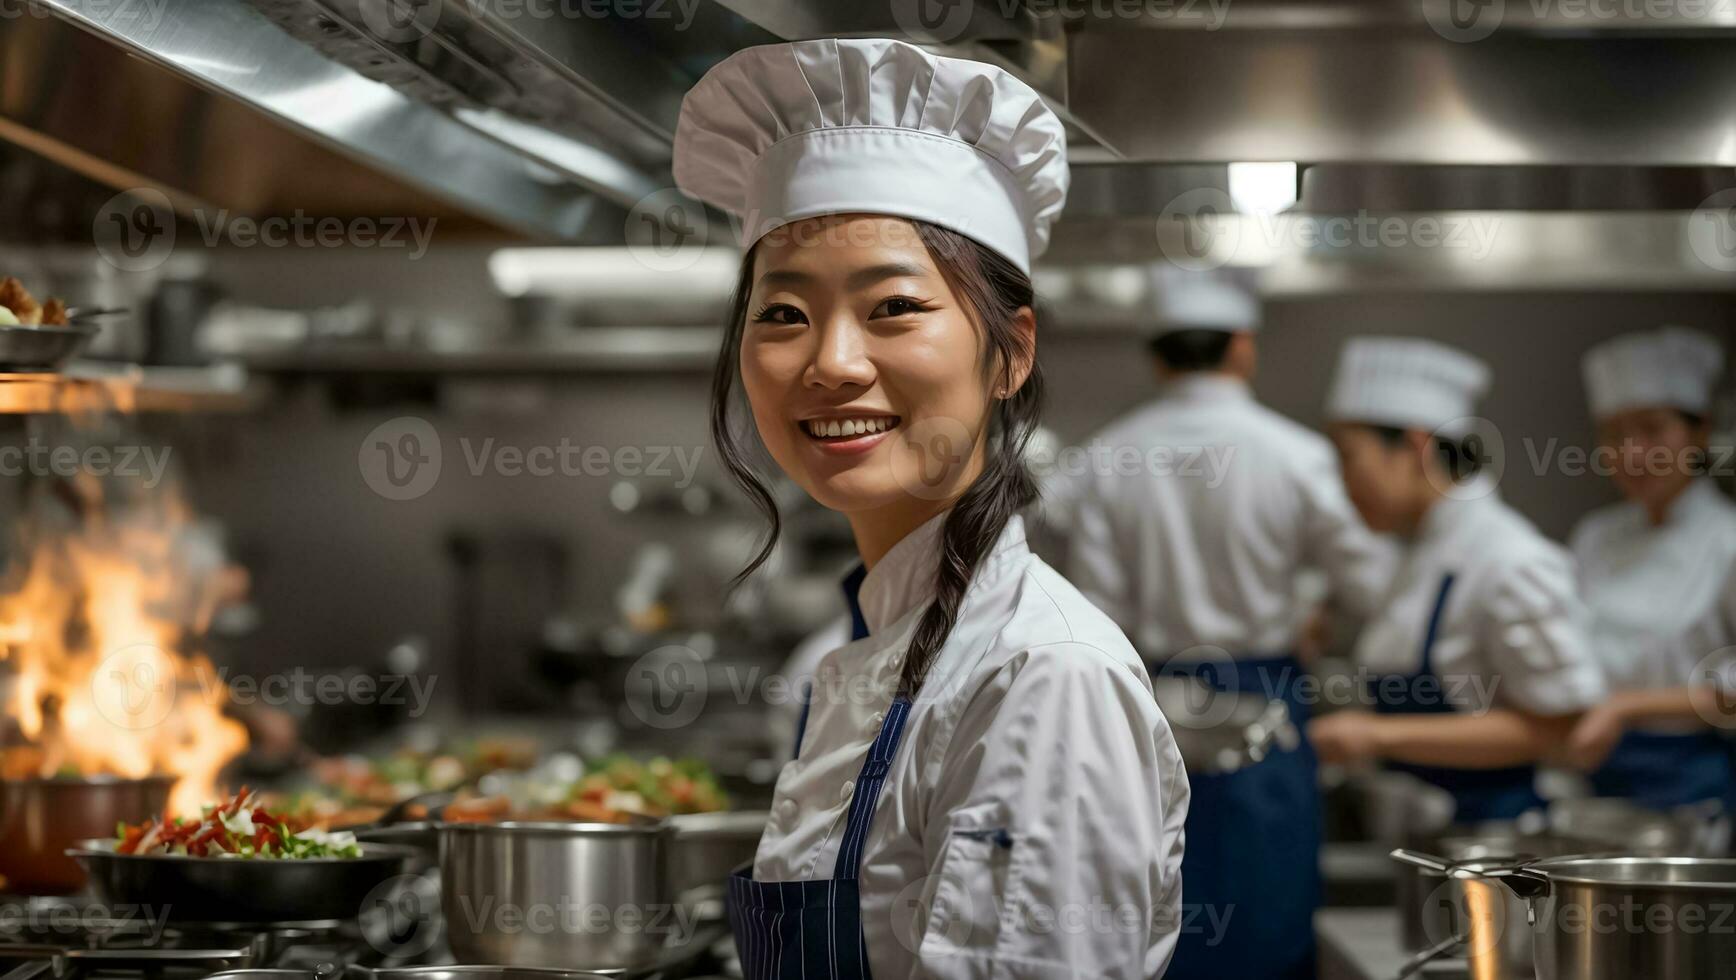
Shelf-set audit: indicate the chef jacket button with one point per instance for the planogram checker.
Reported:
(844, 794)
(787, 810)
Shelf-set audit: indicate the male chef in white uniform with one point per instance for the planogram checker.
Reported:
(1199, 564)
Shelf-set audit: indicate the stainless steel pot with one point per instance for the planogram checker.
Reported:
(709, 846)
(1435, 908)
(41, 818)
(1601, 918)
(571, 896)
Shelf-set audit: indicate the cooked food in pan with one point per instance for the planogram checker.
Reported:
(615, 789)
(236, 828)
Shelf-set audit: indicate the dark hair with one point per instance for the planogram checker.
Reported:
(1463, 458)
(1191, 350)
(993, 290)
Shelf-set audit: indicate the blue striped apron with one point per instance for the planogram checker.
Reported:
(1480, 794)
(1253, 843)
(802, 930)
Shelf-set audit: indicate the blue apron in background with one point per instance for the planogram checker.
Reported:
(1480, 794)
(803, 930)
(1253, 845)
(1664, 771)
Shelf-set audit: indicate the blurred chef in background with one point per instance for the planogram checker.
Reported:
(1480, 651)
(1198, 565)
(1652, 566)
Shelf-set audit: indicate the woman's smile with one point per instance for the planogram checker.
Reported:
(849, 434)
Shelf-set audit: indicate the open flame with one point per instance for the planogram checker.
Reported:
(89, 636)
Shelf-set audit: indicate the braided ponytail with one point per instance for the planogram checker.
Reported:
(994, 290)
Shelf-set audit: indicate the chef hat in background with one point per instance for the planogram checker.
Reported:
(782, 132)
(1183, 300)
(1671, 366)
(1407, 383)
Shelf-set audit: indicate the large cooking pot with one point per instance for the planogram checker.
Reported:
(1599, 918)
(41, 818)
(572, 896)
(1432, 905)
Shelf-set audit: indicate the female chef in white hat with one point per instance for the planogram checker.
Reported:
(982, 777)
(1480, 656)
(1652, 566)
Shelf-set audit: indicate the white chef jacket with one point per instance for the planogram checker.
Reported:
(1514, 632)
(1647, 584)
(1207, 554)
(1036, 718)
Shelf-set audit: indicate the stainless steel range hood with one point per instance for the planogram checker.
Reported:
(552, 118)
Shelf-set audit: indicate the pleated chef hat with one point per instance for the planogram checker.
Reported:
(1407, 383)
(1670, 366)
(782, 132)
(1184, 300)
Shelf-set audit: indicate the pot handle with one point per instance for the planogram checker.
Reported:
(1427, 956)
(1525, 882)
(1427, 862)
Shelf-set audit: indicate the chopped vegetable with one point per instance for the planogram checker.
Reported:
(235, 828)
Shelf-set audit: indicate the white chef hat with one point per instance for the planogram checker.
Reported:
(782, 132)
(1183, 300)
(1671, 366)
(1407, 383)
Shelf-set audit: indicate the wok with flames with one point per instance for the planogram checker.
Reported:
(108, 716)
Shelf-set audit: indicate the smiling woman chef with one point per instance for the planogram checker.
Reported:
(983, 781)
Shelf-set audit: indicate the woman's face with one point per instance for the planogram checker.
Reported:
(863, 369)
(1650, 451)
(1380, 477)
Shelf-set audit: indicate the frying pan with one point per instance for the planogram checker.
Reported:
(207, 889)
(42, 348)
